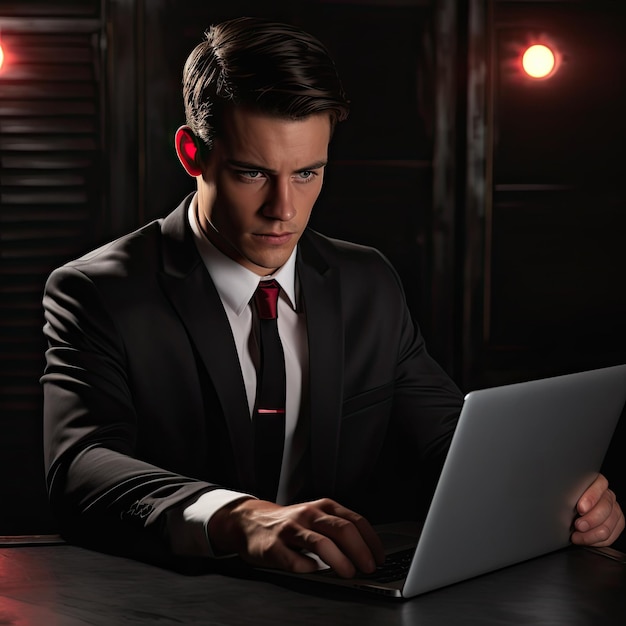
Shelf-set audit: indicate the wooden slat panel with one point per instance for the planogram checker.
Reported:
(41, 214)
(46, 179)
(75, 8)
(50, 72)
(68, 51)
(49, 125)
(50, 161)
(27, 108)
(28, 143)
(43, 91)
(47, 25)
(51, 190)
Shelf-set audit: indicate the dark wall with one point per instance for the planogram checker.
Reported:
(556, 260)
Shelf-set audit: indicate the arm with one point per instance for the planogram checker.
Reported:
(99, 488)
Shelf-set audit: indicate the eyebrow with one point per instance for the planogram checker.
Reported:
(244, 165)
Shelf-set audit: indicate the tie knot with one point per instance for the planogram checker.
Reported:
(266, 299)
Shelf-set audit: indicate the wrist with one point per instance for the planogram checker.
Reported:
(224, 530)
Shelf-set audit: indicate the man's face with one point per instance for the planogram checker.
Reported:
(259, 185)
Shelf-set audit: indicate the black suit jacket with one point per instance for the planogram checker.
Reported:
(144, 401)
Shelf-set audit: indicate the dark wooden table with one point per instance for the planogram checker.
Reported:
(63, 585)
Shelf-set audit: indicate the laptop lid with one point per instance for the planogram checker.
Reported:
(520, 458)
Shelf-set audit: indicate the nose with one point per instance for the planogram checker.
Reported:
(279, 202)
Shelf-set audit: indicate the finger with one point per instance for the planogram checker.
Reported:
(326, 549)
(597, 515)
(617, 531)
(601, 536)
(592, 494)
(299, 562)
(346, 536)
(365, 529)
(602, 525)
(282, 557)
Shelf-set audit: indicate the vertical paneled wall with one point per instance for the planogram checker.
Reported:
(51, 199)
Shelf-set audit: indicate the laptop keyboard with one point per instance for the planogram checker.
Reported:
(395, 567)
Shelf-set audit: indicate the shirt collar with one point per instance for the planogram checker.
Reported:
(234, 283)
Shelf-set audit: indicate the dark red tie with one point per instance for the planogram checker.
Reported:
(269, 409)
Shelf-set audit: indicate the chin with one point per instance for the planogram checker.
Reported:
(269, 263)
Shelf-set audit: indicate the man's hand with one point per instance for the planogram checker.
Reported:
(601, 519)
(269, 535)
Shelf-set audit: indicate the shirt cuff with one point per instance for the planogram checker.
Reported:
(199, 514)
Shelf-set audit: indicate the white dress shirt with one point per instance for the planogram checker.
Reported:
(236, 286)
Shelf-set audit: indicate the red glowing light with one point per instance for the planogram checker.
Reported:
(539, 61)
(1, 56)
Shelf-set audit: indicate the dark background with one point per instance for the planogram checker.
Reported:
(498, 198)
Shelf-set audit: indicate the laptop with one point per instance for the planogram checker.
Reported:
(520, 458)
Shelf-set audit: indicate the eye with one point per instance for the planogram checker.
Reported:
(250, 173)
(306, 176)
(249, 176)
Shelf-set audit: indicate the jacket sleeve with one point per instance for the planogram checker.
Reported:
(99, 491)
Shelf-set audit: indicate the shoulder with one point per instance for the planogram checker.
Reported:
(353, 261)
(121, 254)
(120, 266)
(139, 252)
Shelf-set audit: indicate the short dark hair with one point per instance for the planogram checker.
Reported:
(271, 67)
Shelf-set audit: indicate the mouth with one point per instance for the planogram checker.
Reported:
(275, 239)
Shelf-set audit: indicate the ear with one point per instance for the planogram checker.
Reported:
(187, 151)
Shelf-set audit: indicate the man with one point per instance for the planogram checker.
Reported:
(155, 368)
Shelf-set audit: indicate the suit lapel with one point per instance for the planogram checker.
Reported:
(192, 293)
(320, 289)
